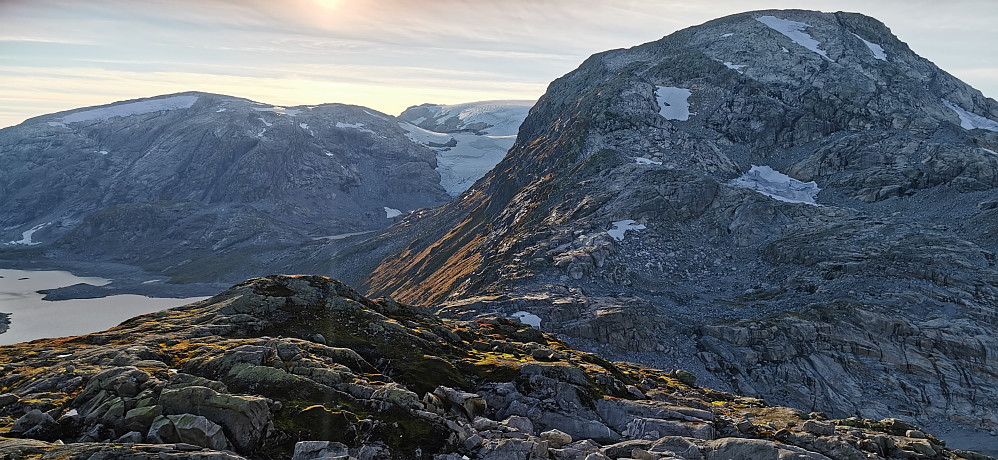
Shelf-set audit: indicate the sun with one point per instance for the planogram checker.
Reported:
(329, 4)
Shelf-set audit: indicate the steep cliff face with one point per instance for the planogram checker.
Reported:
(204, 179)
(304, 367)
(789, 203)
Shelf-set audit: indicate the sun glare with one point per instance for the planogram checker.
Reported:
(329, 4)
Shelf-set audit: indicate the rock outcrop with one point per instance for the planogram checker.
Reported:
(304, 367)
(789, 204)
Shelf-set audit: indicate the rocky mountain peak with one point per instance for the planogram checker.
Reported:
(801, 181)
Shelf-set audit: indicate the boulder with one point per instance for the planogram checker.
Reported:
(469, 404)
(819, 428)
(729, 448)
(141, 418)
(133, 437)
(513, 449)
(556, 438)
(7, 399)
(518, 423)
(34, 422)
(315, 450)
(188, 428)
(244, 418)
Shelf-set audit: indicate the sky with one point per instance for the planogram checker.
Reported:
(388, 54)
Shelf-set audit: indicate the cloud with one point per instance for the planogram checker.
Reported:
(443, 50)
(37, 91)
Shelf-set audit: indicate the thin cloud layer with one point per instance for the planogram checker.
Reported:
(385, 54)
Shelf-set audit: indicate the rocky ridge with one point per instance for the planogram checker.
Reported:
(618, 221)
(304, 367)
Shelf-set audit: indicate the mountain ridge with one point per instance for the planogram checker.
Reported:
(797, 303)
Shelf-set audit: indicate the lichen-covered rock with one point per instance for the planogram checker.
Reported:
(219, 391)
(244, 418)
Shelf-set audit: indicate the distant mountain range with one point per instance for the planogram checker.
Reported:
(205, 187)
(790, 205)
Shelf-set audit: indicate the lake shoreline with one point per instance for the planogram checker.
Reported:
(92, 304)
(125, 279)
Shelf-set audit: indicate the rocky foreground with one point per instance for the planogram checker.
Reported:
(304, 367)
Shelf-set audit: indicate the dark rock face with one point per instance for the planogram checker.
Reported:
(200, 184)
(617, 220)
(240, 375)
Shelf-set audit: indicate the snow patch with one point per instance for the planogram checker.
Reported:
(527, 318)
(736, 67)
(391, 213)
(989, 151)
(102, 152)
(132, 108)
(673, 102)
(220, 110)
(303, 125)
(795, 31)
(784, 49)
(269, 124)
(727, 35)
(622, 226)
(358, 126)
(375, 115)
(969, 120)
(278, 110)
(26, 236)
(878, 51)
(778, 186)
(646, 161)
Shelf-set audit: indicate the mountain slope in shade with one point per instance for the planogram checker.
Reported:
(304, 367)
(470, 139)
(856, 273)
(203, 186)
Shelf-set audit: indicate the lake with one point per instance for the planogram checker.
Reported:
(33, 318)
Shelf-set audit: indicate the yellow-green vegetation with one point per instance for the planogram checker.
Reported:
(319, 362)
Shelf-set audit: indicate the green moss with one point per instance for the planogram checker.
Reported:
(491, 367)
(429, 372)
(319, 423)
